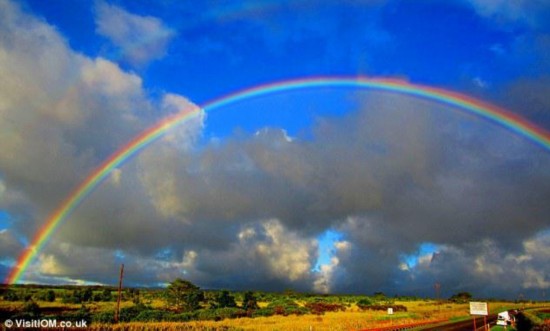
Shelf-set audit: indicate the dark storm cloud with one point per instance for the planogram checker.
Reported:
(244, 212)
(531, 97)
(9, 245)
(393, 174)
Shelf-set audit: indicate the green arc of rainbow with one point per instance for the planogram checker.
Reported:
(486, 111)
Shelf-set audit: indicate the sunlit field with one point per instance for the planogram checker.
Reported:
(351, 315)
(351, 319)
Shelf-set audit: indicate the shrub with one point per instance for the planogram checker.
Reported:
(153, 315)
(106, 295)
(320, 308)
(32, 309)
(220, 313)
(128, 314)
(81, 314)
(183, 317)
(286, 307)
(396, 308)
(11, 295)
(104, 317)
(263, 312)
(364, 303)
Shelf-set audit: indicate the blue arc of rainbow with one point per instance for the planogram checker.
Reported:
(489, 112)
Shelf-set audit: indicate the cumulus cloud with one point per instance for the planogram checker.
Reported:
(390, 176)
(245, 212)
(326, 277)
(140, 39)
(61, 115)
(286, 254)
(477, 266)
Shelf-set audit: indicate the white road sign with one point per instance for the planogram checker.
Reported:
(479, 308)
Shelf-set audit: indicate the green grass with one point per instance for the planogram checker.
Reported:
(543, 315)
(502, 328)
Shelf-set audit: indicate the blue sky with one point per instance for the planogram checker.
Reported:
(328, 190)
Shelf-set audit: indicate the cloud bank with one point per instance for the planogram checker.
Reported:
(246, 211)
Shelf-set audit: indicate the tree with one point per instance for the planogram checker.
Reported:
(184, 295)
(31, 309)
(87, 294)
(461, 297)
(249, 301)
(50, 296)
(224, 299)
(106, 295)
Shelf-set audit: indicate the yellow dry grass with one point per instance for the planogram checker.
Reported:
(351, 319)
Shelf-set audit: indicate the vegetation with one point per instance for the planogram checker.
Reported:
(183, 305)
(461, 297)
(183, 295)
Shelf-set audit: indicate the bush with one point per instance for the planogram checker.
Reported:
(106, 295)
(220, 314)
(396, 308)
(11, 295)
(286, 307)
(128, 314)
(74, 297)
(153, 315)
(320, 308)
(282, 303)
(263, 312)
(184, 317)
(81, 314)
(31, 310)
(364, 303)
(104, 317)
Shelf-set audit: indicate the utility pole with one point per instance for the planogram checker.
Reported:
(437, 288)
(117, 311)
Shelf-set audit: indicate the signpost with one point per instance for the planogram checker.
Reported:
(479, 309)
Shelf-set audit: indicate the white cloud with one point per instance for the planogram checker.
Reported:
(183, 136)
(61, 115)
(505, 11)
(479, 82)
(286, 254)
(161, 181)
(326, 275)
(140, 38)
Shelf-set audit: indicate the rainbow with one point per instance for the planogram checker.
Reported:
(486, 111)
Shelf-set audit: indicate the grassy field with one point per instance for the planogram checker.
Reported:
(348, 316)
(351, 319)
(502, 328)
